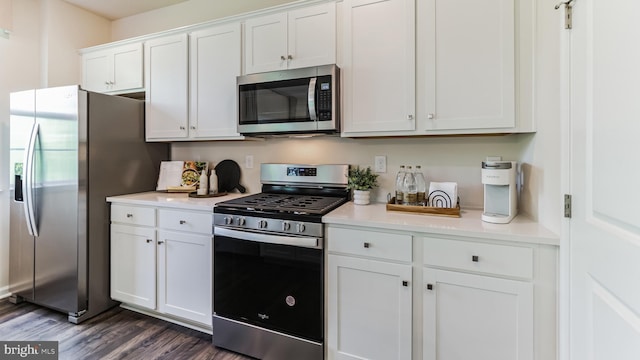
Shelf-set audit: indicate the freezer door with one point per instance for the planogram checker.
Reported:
(56, 198)
(21, 242)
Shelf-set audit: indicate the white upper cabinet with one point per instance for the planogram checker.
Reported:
(166, 82)
(113, 70)
(298, 38)
(470, 64)
(215, 62)
(378, 70)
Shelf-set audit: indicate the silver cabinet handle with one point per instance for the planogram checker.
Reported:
(282, 58)
(182, 222)
(182, 128)
(367, 245)
(149, 241)
(405, 283)
(129, 215)
(160, 242)
(193, 128)
(429, 287)
(409, 117)
(289, 57)
(430, 116)
(475, 258)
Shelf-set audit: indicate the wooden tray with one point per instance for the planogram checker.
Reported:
(426, 210)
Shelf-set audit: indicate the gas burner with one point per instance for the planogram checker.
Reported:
(298, 204)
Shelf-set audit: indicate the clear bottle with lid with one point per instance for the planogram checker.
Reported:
(400, 185)
(421, 185)
(410, 188)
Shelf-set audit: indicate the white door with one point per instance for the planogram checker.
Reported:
(312, 36)
(265, 43)
(604, 176)
(127, 67)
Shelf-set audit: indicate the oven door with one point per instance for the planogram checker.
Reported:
(269, 281)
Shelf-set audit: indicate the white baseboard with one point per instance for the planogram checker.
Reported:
(4, 292)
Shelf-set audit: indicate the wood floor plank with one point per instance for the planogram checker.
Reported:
(115, 334)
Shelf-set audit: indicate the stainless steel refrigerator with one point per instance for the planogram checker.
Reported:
(69, 150)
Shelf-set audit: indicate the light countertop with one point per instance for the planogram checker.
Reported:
(173, 200)
(520, 229)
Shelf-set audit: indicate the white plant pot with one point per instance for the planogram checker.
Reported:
(361, 197)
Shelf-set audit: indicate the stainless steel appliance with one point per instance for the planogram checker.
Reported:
(69, 149)
(269, 263)
(290, 101)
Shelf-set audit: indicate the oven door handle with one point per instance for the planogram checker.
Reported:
(308, 242)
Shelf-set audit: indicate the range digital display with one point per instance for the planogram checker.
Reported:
(302, 171)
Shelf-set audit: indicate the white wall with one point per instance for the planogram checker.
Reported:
(182, 14)
(41, 51)
(442, 159)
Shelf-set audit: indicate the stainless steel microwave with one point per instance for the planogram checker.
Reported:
(297, 101)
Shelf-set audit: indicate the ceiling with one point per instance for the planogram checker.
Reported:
(117, 9)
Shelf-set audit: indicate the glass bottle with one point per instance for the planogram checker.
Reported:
(411, 190)
(421, 185)
(400, 185)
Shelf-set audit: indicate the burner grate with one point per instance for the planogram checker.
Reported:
(286, 203)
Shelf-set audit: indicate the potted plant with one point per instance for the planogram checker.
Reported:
(361, 181)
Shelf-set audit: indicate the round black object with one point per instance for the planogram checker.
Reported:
(228, 173)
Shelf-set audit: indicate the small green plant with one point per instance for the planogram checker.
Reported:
(361, 179)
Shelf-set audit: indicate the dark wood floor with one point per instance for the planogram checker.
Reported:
(115, 334)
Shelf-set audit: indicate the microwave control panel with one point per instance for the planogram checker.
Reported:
(324, 100)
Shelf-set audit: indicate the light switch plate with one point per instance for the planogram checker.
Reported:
(380, 162)
(248, 162)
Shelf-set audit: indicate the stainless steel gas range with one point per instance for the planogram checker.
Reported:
(269, 263)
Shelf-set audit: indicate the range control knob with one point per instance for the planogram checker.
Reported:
(241, 221)
(228, 220)
(262, 224)
(300, 227)
(286, 226)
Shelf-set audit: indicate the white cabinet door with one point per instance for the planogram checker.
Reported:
(379, 67)
(298, 38)
(127, 67)
(369, 309)
(96, 73)
(215, 62)
(113, 70)
(185, 275)
(469, 316)
(312, 36)
(470, 64)
(166, 84)
(133, 265)
(266, 43)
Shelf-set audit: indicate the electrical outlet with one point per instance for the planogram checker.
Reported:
(380, 162)
(248, 161)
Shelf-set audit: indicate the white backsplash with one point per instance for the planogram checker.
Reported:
(442, 158)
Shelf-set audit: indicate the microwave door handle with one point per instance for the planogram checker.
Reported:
(311, 99)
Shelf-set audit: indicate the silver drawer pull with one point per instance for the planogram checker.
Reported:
(129, 215)
(367, 245)
(160, 242)
(149, 241)
(182, 222)
(475, 258)
(405, 283)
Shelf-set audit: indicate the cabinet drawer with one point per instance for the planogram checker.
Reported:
(198, 222)
(374, 244)
(133, 215)
(486, 258)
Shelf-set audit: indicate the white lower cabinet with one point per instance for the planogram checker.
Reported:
(369, 309)
(473, 298)
(369, 295)
(467, 316)
(161, 261)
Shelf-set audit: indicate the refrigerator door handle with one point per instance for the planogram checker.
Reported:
(29, 209)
